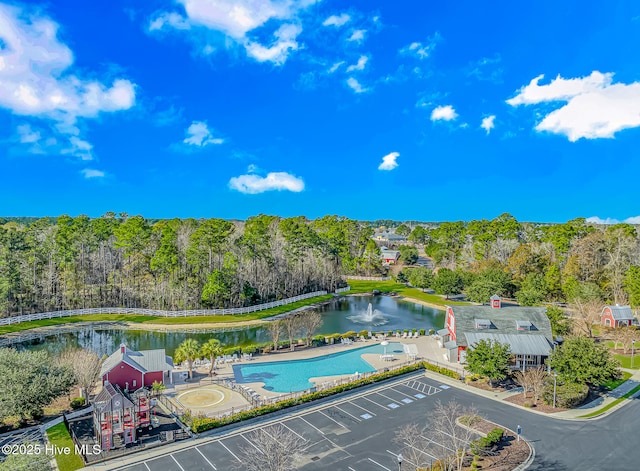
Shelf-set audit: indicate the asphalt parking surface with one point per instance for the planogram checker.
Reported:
(356, 433)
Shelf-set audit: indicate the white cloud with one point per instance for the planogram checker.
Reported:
(488, 123)
(357, 35)
(609, 221)
(337, 20)
(335, 67)
(254, 184)
(198, 134)
(35, 78)
(360, 65)
(389, 161)
(27, 135)
(92, 173)
(444, 113)
(595, 106)
(170, 19)
(238, 19)
(279, 50)
(356, 86)
(421, 50)
(560, 89)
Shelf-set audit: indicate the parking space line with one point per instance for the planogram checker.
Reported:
(174, 459)
(206, 459)
(311, 425)
(379, 405)
(351, 468)
(232, 453)
(332, 419)
(400, 392)
(293, 431)
(367, 411)
(375, 462)
(390, 398)
(437, 443)
(357, 418)
(250, 443)
(421, 451)
(146, 465)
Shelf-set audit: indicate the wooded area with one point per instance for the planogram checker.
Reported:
(122, 261)
(117, 260)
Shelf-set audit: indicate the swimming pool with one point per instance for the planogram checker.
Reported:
(293, 375)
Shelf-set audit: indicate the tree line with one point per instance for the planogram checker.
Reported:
(128, 261)
(535, 263)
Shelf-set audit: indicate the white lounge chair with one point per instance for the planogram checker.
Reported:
(362, 338)
(404, 335)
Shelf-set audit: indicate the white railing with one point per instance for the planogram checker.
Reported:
(157, 312)
(369, 278)
(342, 290)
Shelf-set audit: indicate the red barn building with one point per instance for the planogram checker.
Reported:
(132, 370)
(617, 316)
(526, 330)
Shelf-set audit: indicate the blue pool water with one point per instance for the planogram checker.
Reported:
(293, 375)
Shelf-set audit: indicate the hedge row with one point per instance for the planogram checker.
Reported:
(441, 370)
(482, 444)
(568, 395)
(201, 424)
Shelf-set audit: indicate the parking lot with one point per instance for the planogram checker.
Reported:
(329, 432)
(31, 434)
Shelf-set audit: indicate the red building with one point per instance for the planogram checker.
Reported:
(617, 316)
(526, 330)
(117, 416)
(132, 370)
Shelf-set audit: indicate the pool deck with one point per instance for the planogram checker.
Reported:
(427, 347)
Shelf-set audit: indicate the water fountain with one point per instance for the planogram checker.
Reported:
(369, 317)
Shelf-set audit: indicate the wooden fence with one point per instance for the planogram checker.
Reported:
(369, 278)
(157, 312)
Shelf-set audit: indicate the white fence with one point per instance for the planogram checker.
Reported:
(157, 312)
(342, 290)
(369, 278)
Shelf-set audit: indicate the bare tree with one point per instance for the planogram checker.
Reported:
(585, 315)
(275, 449)
(414, 446)
(627, 336)
(291, 325)
(310, 321)
(275, 329)
(85, 366)
(532, 380)
(446, 439)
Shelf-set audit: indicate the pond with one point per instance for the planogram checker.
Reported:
(340, 315)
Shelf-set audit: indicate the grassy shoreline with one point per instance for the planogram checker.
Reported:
(253, 317)
(434, 300)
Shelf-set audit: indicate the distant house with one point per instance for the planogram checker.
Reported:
(526, 330)
(389, 256)
(132, 370)
(389, 237)
(616, 316)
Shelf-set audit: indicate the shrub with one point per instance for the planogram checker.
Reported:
(363, 333)
(422, 331)
(441, 370)
(78, 403)
(432, 331)
(480, 445)
(568, 395)
(250, 349)
(527, 404)
(349, 335)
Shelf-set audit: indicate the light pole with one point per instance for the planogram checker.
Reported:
(633, 345)
(399, 462)
(555, 376)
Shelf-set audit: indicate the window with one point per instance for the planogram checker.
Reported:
(134, 383)
(607, 322)
(483, 324)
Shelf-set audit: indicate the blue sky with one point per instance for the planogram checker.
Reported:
(417, 110)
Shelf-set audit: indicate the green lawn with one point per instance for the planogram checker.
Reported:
(59, 436)
(609, 406)
(614, 383)
(133, 318)
(363, 286)
(625, 361)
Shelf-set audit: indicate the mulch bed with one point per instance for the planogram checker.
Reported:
(511, 452)
(540, 406)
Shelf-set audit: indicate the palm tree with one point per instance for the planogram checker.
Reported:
(157, 387)
(212, 349)
(188, 351)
